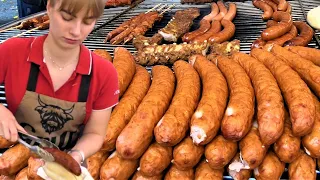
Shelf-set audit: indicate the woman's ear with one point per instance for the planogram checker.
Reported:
(48, 6)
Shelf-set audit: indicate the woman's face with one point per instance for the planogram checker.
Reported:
(68, 30)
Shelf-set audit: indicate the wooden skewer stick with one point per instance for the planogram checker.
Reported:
(169, 8)
(153, 8)
(162, 7)
(28, 31)
(14, 27)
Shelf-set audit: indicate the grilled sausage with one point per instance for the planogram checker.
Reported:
(139, 176)
(231, 12)
(155, 160)
(266, 8)
(226, 34)
(270, 168)
(302, 109)
(305, 35)
(125, 65)
(22, 175)
(186, 155)
(270, 104)
(237, 119)
(236, 169)
(286, 37)
(311, 54)
(258, 43)
(289, 8)
(287, 147)
(104, 54)
(172, 127)
(127, 106)
(214, 12)
(205, 25)
(273, 5)
(222, 13)
(116, 167)
(283, 5)
(4, 143)
(206, 120)
(174, 173)
(220, 151)
(137, 135)
(14, 159)
(215, 28)
(33, 165)
(271, 23)
(65, 160)
(304, 167)
(284, 26)
(204, 172)
(95, 162)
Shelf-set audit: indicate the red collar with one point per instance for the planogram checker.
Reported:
(36, 56)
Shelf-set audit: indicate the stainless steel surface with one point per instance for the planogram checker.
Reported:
(42, 142)
(39, 151)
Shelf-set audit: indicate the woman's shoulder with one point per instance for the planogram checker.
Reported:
(17, 42)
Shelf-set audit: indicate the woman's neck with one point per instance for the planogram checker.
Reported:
(61, 55)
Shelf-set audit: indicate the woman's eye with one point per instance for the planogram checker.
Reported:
(88, 22)
(66, 17)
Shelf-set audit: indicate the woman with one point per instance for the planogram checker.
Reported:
(55, 87)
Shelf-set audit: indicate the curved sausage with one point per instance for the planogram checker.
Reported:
(289, 9)
(14, 159)
(270, 168)
(283, 5)
(174, 173)
(137, 135)
(186, 154)
(124, 63)
(286, 37)
(22, 175)
(206, 120)
(214, 12)
(304, 167)
(173, 126)
(95, 162)
(231, 12)
(204, 172)
(139, 176)
(305, 35)
(236, 169)
(271, 23)
(311, 54)
(33, 165)
(270, 103)
(238, 115)
(271, 4)
(4, 143)
(205, 25)
(258, 43)
(284, 25)
(226, 34)
(127, 106)
(65, 160)
(104, 54)
(215, 27)
(302, 109)
(266, 8)
(155, 160)
(222, 13)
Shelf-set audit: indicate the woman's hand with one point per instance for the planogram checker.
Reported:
(76, 156)
(8, 125)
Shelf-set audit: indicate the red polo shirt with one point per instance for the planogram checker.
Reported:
(16, 55)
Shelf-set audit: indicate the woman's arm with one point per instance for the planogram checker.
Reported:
(93, 135)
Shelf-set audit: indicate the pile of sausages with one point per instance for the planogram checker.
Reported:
(281, 30)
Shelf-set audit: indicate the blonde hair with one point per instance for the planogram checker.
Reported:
(94, 8)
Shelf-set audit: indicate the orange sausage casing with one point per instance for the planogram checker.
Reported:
(311, 54)
(204, 172)
(287, 147)
(226, 34)
(125, 65)
(273, 5)
(214, 12)
(33, 165)
(95, 162)
(308, 71)
(65, 160)
(283, 5)
(172, 127)
(215, 28)
(252, 150)
(270, 104)
(280, 29)
(222, 13)
(155, 160)
(205, 122)
(305, 35)
(127, 106)
(174, 173)
(235, 169)
(268, 11)
(270, 168)
(186, 155)
(139, 176)
(231, 12)
(286, 37)
(22, 175)
(304, 167)
(4, 143)
(296, 93)
(14, 159)
(311, 141)
(220, 151)
(205, 25)
(104, 54)
(237, 119)
(117, 168)
(258, 43)
(137, 135)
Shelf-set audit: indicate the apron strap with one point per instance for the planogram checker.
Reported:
(83, 90)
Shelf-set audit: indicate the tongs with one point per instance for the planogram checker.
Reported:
(36, 149)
